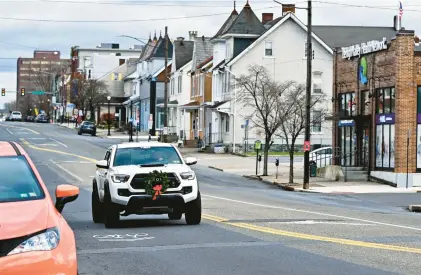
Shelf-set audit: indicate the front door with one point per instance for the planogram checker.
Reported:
(364, 137)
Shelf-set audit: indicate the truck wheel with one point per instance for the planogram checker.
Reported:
(194, 211)
(97, 206)
(176, 215)
(112, 214)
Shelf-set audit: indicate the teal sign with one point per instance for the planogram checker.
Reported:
(363, 70)
(38, 92)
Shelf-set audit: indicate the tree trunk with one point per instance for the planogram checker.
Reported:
(291, 161)
(266, 156)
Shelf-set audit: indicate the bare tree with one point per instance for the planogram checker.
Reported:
(10, 106)
(95, 95)
(79, 87)
(291, 128)
(263, 102)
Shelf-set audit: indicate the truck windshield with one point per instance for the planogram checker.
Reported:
(146, 155)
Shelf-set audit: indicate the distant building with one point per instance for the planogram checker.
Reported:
(37, 73)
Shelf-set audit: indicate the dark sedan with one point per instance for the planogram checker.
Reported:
(41, 119)
(87, 127)
(30, 119)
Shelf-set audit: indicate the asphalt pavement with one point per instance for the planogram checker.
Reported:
(247, 227)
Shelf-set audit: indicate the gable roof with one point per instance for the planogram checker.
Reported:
(183, 51)
(272, 29)
(246, 23)
(203, 49)
(344, 36)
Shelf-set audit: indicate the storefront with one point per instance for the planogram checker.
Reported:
(377, 108)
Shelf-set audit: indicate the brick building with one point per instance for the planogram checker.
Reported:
(377, 106)
(37, 73)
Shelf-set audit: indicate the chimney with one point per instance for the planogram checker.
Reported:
(192, 35)
(288, 8)
(267, 17)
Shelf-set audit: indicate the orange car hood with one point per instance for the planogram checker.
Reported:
(22, 218)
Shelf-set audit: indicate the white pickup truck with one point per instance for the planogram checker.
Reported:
(16, 116)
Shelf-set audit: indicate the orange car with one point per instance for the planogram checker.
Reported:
(34, 237)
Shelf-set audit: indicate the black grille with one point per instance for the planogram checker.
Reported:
(139, 181)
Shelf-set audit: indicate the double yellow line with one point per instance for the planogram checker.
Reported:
(269, 230)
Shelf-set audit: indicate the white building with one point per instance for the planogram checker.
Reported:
(179, 93)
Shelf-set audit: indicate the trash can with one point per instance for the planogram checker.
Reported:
(313, 169)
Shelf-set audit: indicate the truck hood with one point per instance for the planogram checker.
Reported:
(135, 169)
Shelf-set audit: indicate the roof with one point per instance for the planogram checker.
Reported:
(156, 48)
(8, 149)
(272, 23)
(227, 24)
(344, 36)
(143, 144)
(246, 23)
(161, 69)
(183, 52)
(269, 31)
(203, 49)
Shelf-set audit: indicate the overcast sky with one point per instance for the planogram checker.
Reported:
(22, 29)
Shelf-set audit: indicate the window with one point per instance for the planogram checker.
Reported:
(385, 146)
(202, 84)
(18, 182)
(348, 103)
(172, 86)
(365, 103)
(227, 124)
(268, 48)
(35, 62)
(317, 82)
(146, 156)
(45, 62)
(317, 121)
(121, 61)
(385, 100)
(25, 62)
(180, 84)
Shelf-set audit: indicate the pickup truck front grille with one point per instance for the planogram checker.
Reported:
(139, 181)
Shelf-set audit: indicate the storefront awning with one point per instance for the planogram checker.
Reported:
(171, 104)
(194, 105)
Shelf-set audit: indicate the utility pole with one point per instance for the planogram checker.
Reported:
(166, 84)
(306, 184)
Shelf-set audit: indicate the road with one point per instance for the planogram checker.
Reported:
(247, 227)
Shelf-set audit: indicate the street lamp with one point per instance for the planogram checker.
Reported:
(109, 119)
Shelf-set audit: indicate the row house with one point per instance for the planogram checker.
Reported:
(200, 90)
(179, 93)
(145, 105)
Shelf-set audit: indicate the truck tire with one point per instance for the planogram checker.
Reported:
(194, 211)
(112, 214)
(97, 206)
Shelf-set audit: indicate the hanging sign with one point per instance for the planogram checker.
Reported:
(346, 123)
(364, 48)
(385, 119)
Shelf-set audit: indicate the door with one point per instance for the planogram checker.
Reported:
(210, 133)
(102, 174)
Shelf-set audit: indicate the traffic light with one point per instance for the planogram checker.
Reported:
(22, 91)
(277, 162)
(3, 92)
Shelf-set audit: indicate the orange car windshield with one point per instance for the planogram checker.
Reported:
(17, 181)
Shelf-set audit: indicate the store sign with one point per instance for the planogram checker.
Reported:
(346, 123)
(364, 48)
(385, 119)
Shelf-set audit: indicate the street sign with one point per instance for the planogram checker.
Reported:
(257, 145)
(38, 92)
(307, 146)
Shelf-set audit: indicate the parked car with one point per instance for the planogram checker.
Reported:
(30, 119)
(41, 118)
(127, 182)
(7, 118)
(87, 127)
(16, 116)
(34, 236)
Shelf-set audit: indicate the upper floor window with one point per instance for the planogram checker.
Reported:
(317, 121)
(268, 48)
(172, 84)
(385, 100)
(348, 103)
(317, 82)
(180, 85)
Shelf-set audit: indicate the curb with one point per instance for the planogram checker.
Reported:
(216, 168)
(283, 186)
(414, 208)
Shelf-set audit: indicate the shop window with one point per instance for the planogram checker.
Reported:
(385, 146)
(365, 103)
(385, 100)
(419, 100)
(348, 104)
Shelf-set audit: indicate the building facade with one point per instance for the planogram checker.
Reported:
(377, 107)
(39, 73)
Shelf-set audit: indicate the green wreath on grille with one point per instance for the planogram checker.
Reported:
(154, 180)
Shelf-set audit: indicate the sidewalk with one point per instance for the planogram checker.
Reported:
(246, 167)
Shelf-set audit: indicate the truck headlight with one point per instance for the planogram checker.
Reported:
(119, 178)
(188, 175)
(44, 241)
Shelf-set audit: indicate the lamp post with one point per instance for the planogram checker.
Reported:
(109, 119)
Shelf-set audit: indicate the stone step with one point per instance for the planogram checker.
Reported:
(354, 176)
(354, 168)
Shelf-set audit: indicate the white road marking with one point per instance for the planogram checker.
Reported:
(35, 138)
(124, 238)
(7, 129)
(75, 161)
(315, 213)
(67, 171)
(47, 144)
(59, 142)
(311, 222)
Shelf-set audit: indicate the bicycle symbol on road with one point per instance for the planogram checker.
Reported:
(123, 237)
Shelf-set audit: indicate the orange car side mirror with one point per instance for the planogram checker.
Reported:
(65, 193)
